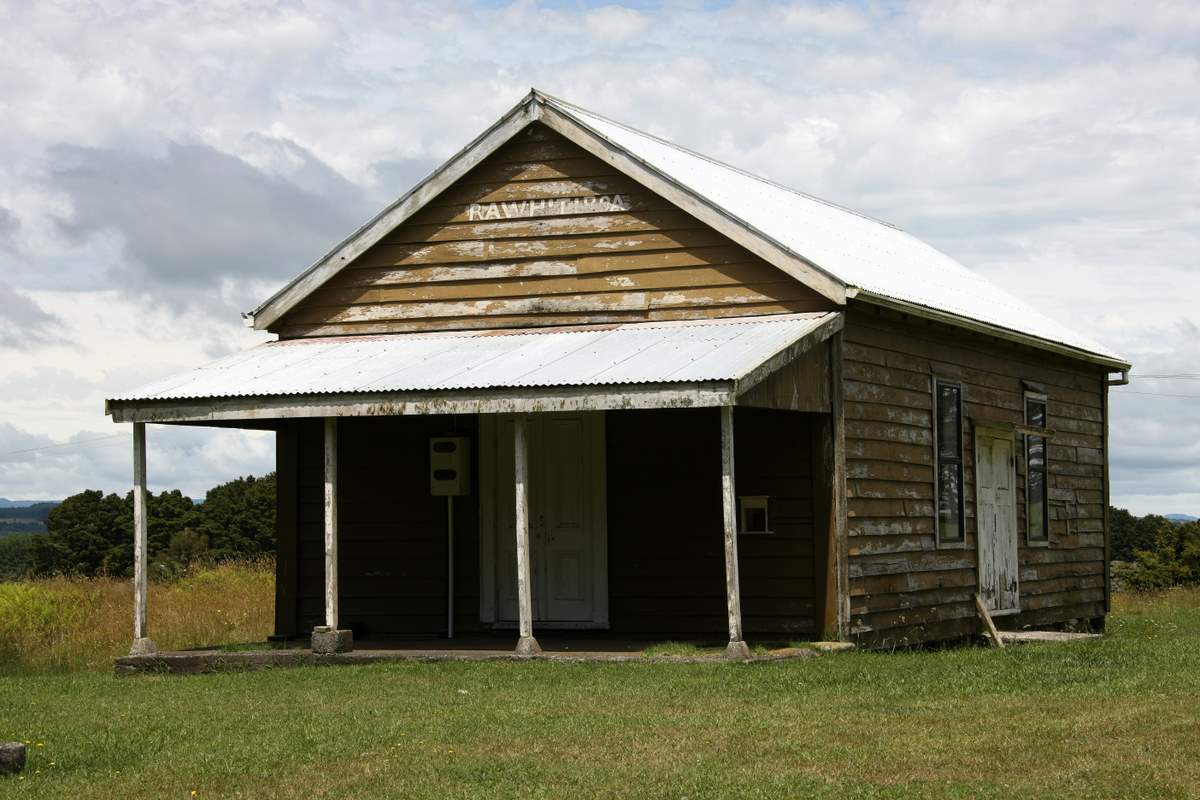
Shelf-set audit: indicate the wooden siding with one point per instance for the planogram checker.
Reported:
(392, 532)
(666, 562)
(639, 259)
(801, 385)
(666, 568)
(903, 587)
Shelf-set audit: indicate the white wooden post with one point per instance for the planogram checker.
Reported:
(328, 638)
(142, 645)
(526, 644)
(733, 593)
(331, 524)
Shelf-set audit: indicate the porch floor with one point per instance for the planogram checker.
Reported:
(469, 647)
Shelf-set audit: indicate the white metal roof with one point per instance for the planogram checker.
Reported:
(850, 254)
(609, 355)
(863, 253)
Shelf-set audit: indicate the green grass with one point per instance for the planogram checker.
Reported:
(1118, 717)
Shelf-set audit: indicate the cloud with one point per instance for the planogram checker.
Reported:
(37, 467)
(9, 224)
(178, 162)
(196, 215)
(23, 323)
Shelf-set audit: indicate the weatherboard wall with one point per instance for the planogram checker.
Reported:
(904, 588)
(665, 530)
(543, 233)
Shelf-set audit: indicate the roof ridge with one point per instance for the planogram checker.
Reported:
(716, 162)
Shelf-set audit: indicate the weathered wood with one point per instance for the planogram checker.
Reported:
(723, 275)
(1103, 457)
(141, 641)
(797, 299)
(711, 256)
(539, 319)
(483, 145)
(527, 250)
(611, 222)
(993, 634)
(527, 644)
(390, 404)
(286, 529)
(331, 523)
(666, 539)
(890, 356)
(840, 532)
(800, 385)
(733, 598)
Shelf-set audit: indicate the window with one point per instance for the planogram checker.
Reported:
(948, 435)
(1036, 508)
(753, 514)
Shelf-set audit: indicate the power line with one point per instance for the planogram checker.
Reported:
(1181, 377)
(64, 444)
(1160, 394)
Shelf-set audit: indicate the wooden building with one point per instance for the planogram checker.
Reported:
(580, 377)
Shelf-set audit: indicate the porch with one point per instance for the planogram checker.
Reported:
(630, 508)
(558, 647)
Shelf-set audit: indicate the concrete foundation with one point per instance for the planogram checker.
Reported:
(528, 646)
(142, 647)
(327, 641)
(737, 651)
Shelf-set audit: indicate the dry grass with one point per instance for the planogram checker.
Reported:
(83, 623)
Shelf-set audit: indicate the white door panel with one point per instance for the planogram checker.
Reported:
(566, 533)
(996, 520)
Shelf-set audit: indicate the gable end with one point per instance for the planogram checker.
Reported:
(543, 233)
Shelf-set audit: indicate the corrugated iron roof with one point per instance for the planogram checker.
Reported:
(609, 355)
(861, 252)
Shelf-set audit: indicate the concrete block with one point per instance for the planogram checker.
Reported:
(737, 650)
(143, 647)
(12, 757)
(528, 646)
(327, 641)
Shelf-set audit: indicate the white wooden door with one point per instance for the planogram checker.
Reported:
(562, 518)
(996, 520)
(567, 520)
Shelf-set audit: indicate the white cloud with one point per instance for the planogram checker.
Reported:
(206, 151)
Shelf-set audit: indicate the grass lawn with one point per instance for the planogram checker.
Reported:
(1113, 718)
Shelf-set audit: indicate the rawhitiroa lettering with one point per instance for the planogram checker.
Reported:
(549, 207)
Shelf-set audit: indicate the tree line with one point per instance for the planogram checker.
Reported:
(1153, 552)
(91, 533)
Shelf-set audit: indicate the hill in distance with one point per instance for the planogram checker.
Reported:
(6, 503)
(1181, 517)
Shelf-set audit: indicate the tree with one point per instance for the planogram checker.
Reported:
(88, 534)
(16, 556)
(1173, 559)
(239, 517)
(92, 533)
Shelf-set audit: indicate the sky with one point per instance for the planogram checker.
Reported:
(166, 166)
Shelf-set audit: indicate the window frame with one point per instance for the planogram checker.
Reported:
(961, 541)
(1037, 397)
(747, 502)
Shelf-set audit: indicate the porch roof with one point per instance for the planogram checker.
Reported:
(630, 365)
